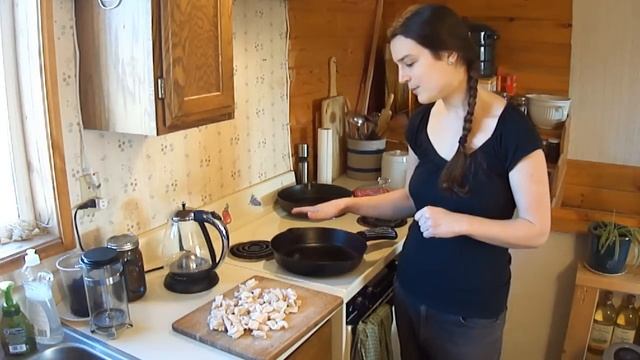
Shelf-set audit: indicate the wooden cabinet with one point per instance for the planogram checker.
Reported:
(153, 67)
(317, 346)
(585, 298)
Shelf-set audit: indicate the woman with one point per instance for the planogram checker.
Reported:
(473, 159)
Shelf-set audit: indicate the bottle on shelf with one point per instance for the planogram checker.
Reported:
(41, 307)
(604, 320)
(626, 321)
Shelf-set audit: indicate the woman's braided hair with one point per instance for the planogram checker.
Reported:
(440, 30)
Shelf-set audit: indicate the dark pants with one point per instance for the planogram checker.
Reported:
(426, 334)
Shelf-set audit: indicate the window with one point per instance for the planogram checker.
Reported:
(32, 175)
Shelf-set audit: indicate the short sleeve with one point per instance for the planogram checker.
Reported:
(519, 137)
(417, 121)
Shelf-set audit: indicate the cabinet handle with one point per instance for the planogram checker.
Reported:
(160, 88)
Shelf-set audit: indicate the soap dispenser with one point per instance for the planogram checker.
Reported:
(17, 335)
(40, 305)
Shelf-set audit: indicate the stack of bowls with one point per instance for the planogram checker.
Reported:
(548, 111)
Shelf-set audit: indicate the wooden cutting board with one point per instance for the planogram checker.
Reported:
(333, 116)
(316, 306)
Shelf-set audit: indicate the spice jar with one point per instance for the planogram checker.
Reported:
(129, 253)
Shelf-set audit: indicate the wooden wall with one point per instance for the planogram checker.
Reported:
(535, 45)
(319, 30)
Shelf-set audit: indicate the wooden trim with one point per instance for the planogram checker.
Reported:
(156, 15)
(63, 199)
(604, 175)
(61, 187)
(585, 299)
(576, 220)
(628, 283)
(592, 191)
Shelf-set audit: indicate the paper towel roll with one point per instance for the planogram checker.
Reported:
(325, 155)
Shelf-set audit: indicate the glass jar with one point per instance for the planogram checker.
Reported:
(520, 102)
(127, 246)
(106, 293)
(552, 150)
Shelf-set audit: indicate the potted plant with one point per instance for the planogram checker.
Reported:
(609, 245)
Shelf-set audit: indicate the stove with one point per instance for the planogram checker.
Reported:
(254, 223)
(254, 250)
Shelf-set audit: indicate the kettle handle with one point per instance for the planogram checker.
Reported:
(211, 217)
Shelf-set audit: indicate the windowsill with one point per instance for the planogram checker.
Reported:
(14, 248)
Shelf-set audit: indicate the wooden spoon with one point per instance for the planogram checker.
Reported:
(385, 117)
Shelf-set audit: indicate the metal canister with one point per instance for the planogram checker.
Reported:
(302, 174)
(127, 246)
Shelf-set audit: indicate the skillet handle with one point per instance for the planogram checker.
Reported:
(379, 233)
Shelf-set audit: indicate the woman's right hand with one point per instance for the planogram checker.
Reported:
(324, 211)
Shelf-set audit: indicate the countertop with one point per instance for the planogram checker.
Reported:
(151, 336)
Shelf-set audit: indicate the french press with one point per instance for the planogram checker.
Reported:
(106, 292)
(188, 251)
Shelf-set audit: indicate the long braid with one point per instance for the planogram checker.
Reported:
(440, 30)
(452, 176)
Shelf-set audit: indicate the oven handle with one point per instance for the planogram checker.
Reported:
(351, 329)
(382, 300)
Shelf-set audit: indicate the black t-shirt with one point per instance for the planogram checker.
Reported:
(461, 275)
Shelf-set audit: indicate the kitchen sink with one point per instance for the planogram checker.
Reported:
(78, 345)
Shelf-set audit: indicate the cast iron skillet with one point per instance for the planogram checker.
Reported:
(309, 195)
(318, 251)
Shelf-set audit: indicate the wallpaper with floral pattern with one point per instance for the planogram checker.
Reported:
(146, 178)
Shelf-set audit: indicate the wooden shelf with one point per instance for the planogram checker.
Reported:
(585, 297)
(591, 191)
(576, 220)
(628, 282)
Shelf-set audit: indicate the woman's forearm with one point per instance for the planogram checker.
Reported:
(393, 205)
(518, 233)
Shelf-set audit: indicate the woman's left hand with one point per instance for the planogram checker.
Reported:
(438, 222)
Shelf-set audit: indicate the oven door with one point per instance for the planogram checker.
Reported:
(378, 291)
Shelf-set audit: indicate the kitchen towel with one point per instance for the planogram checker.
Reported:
(325, 155)
(374, 335)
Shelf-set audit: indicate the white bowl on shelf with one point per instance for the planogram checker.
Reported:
(547, 111)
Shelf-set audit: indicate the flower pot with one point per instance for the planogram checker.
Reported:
(606, 262)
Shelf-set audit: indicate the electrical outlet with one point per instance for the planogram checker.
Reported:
(87, 190)
(102, 203)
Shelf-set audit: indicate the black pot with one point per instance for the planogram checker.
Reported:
(606, 262)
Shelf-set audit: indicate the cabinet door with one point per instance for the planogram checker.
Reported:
(116, 75)
(196, 63)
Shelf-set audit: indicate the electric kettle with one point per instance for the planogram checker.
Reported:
(189, 255)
